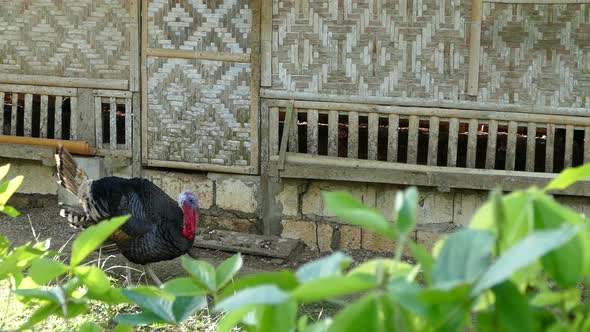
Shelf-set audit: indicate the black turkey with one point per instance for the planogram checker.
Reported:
(159, 228)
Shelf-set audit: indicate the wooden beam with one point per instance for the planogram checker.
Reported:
(424, 103)
(302, 166)
(199, 55)
(68, 82)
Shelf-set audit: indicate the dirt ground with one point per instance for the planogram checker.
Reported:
(41, 220)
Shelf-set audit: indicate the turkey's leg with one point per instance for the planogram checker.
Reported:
(128, 274)
(153, 275)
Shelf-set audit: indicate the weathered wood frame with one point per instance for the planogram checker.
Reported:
(285, 161)
(253, 59)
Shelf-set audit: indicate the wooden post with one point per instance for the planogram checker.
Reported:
(312, 131)
(57, 117)
(549, 148)
(491, 147)
(474, 46)
(43, 116)
(569, 146)
(413, 139)
(453, 142)
(285, 139)
(13, 113)
(392, 136)
(433, 140)
(333, 133)
(273, 123)
(28, 116)
(84, 117)
(266, 43)
(472, 143)
(373, 136)
(531, 136)
(511, 146)
(353, 135)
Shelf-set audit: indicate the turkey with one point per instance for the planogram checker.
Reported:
(159, 228)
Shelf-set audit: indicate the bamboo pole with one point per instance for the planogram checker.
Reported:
(74, 147)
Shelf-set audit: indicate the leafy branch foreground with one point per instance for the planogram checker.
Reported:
(521, 265)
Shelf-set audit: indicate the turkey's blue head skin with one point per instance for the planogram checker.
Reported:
(189, 203)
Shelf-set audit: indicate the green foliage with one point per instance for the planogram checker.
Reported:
(515, 268)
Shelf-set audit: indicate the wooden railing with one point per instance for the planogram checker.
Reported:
(432, 138)
(69, 114)
(34, 111)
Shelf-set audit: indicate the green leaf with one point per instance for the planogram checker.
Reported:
(332, 286)
(406, 205)
(281, 317)
(323, 267)
(152, 300)
(203, 272)
(4, 246)
(8, 188)
(512, 308)
(264, 294)
(123, 328)
(144, 318)
(9, 211)
(55, 294)
(284, 280)
(92, 237)
(407, 295)
(391, 267)
(320, 326)
(569, 298)
(525, 252)
(351, 211)
(41, 314)
(183, 287)
(567, 264)
(89, 327)
(424, 258)
(94, 278)
(4, 170)
(186, 306)
(464, 257)
(44, 270)
(227, 270)
(233, 318)
(365, 314)
(568, 177)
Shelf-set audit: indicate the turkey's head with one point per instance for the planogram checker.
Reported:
(189, 203)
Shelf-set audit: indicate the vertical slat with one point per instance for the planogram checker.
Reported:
(13, 113)
(549, 148)
(294, 134)
(586, 144)
(74, 114)
(128, 123)
(531, 135)
(353, 135)
(491, 146)
(333, 133)
(43, 118)
(273, 124)
(392, 134)
(373, 136)
(113, 122)
(287, 124)
(511, 145)
(312, 131)
(472, 143)
(28, 116)
(474, 47)
(433, 140)
(453, 142)
(569, 144)
(2, 113)
(98, 121)
(57, 119)
(413, 139)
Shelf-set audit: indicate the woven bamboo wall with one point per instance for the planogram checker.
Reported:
(536, 54)
(371, 48)
(530, 54)
(66, 38)
(201, 110)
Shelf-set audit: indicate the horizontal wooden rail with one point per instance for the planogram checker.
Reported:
(423, 102)
(303, 166)
(75, 147)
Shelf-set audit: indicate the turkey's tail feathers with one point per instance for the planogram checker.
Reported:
(75, 215)
(69, 175)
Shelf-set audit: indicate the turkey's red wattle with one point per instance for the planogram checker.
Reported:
(191, 220)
